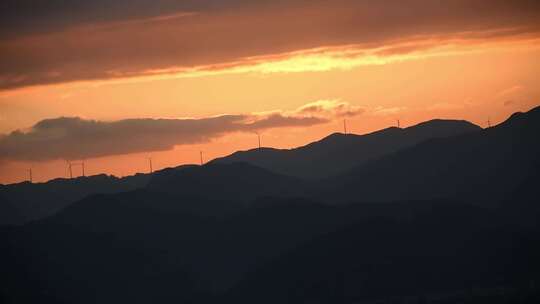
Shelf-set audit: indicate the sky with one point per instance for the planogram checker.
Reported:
(114, 83)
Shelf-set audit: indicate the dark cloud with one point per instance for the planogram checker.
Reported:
(25, 17)
(77, 138)
(56, 41)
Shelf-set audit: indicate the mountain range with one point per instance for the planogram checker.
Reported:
(272, 171)
(340, 152)
(447, 213)
(477, 167)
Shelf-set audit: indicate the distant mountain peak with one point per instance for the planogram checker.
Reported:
(444, 123)
(339, 152)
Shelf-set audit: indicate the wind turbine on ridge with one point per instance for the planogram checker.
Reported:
(259, 138)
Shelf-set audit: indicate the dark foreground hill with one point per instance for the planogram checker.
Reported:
(340, 152)
(143, 246)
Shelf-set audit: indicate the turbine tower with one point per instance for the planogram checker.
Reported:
(150, 165)
(398, 124)
(70, 169)
(344, 126)
(259, 138)
(71, 164)
(200, 154)
(30, 175)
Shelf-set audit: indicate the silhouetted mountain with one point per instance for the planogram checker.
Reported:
(340, 152)
(142, 245)
(523, 202)
(8, 213)
(238, 181)
(445, 253)
(478, 167)
(236, 233)
(26, 201)
(145, 235)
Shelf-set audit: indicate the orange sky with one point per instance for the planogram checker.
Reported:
(457, 69)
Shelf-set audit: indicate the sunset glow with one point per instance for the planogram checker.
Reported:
(200, 63)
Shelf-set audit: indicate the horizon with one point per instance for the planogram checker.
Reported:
(79, 174)
(255, 148)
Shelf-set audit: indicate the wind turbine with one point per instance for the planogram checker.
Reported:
(259, 138)
(398, 124)
(150, 164)
(200, 154)
(71, 164)
(70, 169)
(344, 126)
(30, 174)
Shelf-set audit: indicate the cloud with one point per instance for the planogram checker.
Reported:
(61, 41)
(333, 107)
(52, 15)
(279, 121)
(78, 138)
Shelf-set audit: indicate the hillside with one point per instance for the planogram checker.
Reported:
(339, 152)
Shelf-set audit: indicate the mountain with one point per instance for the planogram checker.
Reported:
(339, 152)
(448, 220)
(26, 201)
(482, 167)
(444, 253)
(124, 244)
(227, 178)
(141, 245)
(432, 160)
(238, 181)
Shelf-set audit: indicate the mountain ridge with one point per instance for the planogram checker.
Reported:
(338, 152)
(229, 233)
(463, 167)
(24, 202)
